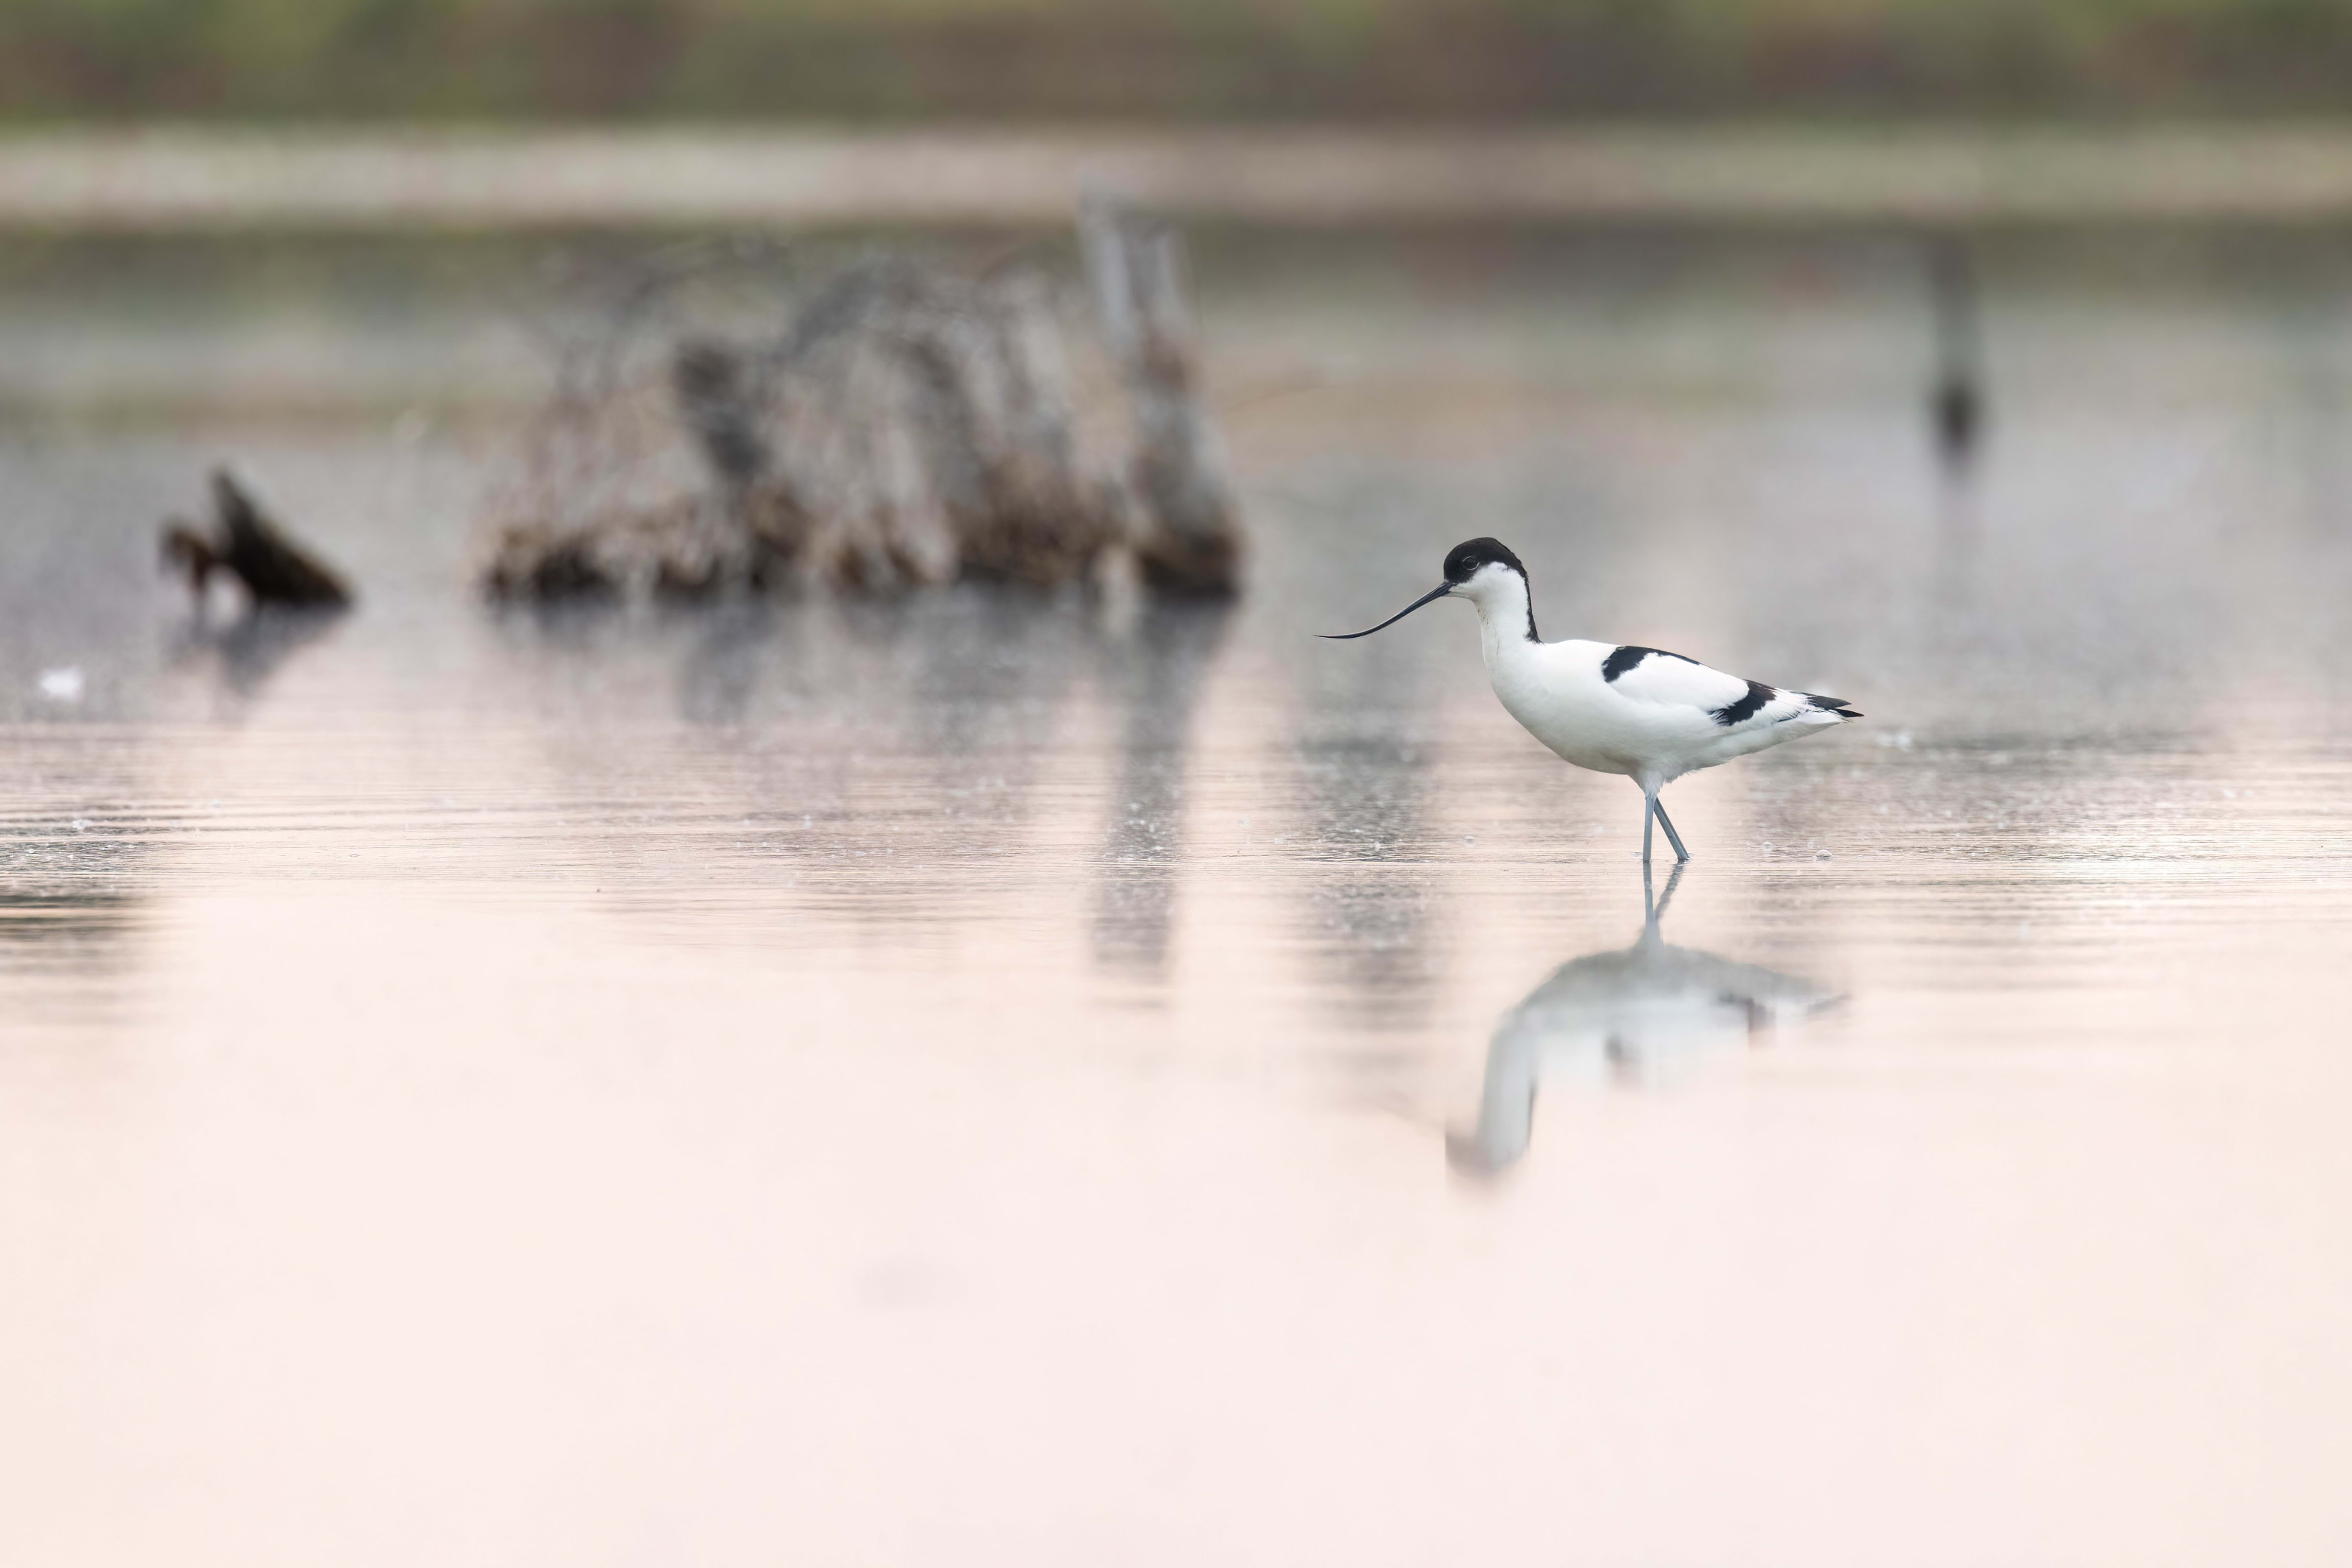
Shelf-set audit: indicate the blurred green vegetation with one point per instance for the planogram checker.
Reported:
(896, 60)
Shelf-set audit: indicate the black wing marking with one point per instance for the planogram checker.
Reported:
(1747, 707)
(1622, 659)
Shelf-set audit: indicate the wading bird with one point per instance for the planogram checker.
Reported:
(1648, 714)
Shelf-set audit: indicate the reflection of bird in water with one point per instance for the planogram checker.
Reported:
(1955, 406)
(1642, 712)
(1621, 1016)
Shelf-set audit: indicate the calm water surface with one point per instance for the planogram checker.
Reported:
(990, 1080)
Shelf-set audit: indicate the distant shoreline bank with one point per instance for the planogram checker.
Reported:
(172, 179)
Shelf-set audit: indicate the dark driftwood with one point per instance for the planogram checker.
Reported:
(248, 545)
(910, 425)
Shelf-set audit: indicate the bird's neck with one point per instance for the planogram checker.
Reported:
(1507, 620)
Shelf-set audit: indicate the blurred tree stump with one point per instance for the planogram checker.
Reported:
(248, 545)
(910, 425)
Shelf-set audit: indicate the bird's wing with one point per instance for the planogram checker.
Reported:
(1672, 681)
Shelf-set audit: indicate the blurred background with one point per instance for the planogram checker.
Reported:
(930, 1069)
(886, 61)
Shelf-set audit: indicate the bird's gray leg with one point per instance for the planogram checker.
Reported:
(1674, 837)
(1649, 805)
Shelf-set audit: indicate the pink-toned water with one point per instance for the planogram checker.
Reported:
(976, 1082)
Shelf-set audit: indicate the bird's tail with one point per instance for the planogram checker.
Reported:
(1838, 708)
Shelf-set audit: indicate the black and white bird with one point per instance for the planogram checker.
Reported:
(1648, 714)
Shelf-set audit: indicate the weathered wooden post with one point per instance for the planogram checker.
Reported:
(1956, 405)
(1190, 538)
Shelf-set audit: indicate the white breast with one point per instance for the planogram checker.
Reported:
(1555, 689)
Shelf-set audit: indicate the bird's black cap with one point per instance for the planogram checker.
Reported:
(1463, 561)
